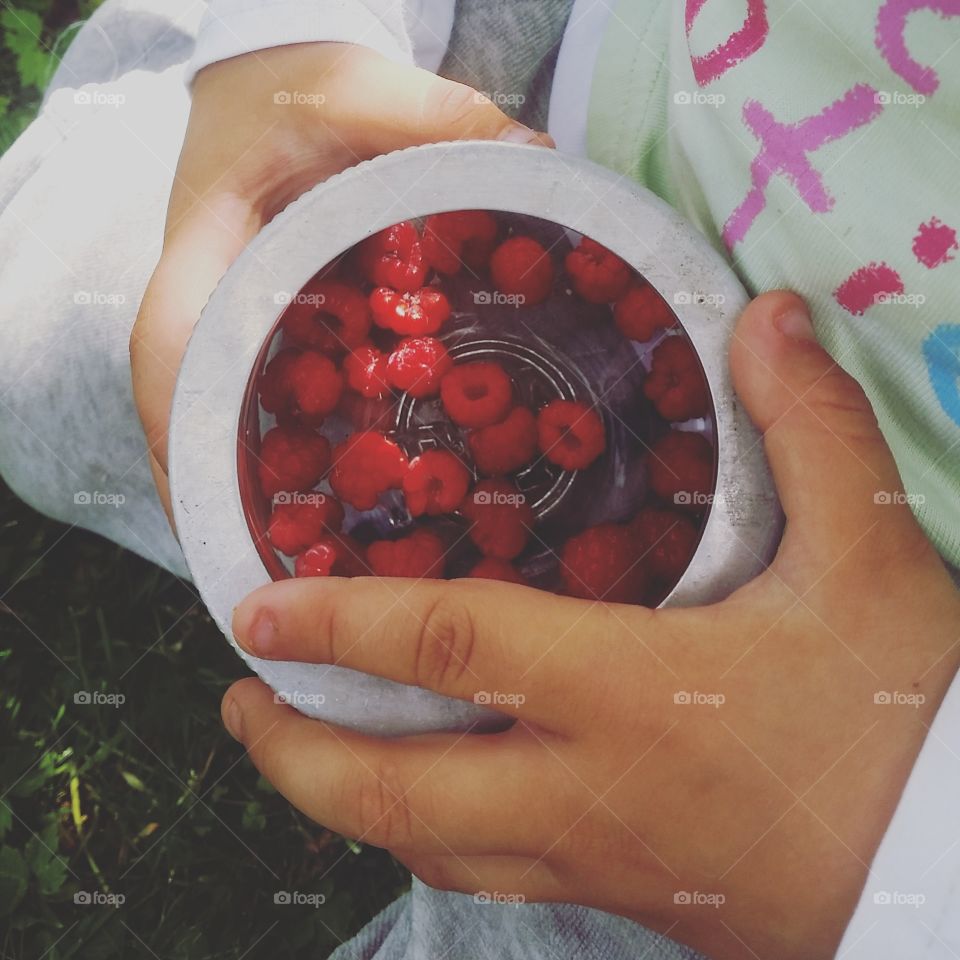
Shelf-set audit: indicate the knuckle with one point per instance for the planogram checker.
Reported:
(841, 404)
(382, 808)
(445, 643)
(456, 105)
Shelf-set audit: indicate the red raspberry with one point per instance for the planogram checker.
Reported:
(570, 434)
(680, 469)
(505, 447)
(315, 383)
(666, 540)
(394, 258)
(490, 569)
(292, 459)
(603, 563)
(476, 394)
(676, 383)
(641, 312)
(598, 275)
(436, 482)
(521, 267)
(420, 555)
(327, 316)
(462, 236)
(366, 371)
(276, 393)
(425, 311)
(339, 556)
(295, 526)
(364, 466)
(418, 365)
(500, 519)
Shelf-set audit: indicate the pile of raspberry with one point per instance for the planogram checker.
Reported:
(368, 331)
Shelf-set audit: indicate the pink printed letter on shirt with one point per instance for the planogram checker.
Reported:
(784, 149)
(891, 23)
(737, 47)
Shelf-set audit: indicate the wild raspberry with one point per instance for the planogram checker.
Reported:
(366, 370)
(295, 526)
(328, 316)
(435, 482)
(603, 563)
(419, 313)
(521, 267)
(490, 569)
(419, 555)
(680, 469)
(315, 384)
(332, 556)
(275, 388)
(597, 274)
(476, 394)
(570, 434)
(418, 365)
(292, 459)
(500, 519)
(507, 446)
(394, 258)
(462, 236)
(364, 466)
(641, 312)
(676, 383)
(666, 540)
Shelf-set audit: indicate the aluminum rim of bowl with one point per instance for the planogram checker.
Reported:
(744, 523)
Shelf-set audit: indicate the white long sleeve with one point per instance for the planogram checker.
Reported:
(910, 906)
(408, 31)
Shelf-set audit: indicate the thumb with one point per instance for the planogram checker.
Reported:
(420, 108)
(835, 474)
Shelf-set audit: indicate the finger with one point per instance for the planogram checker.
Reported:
(517, 649)
(195, 256)
(494, 881)
(423, 108)
(832, 467)
(441, 793)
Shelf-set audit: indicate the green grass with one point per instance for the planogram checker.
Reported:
(148, 800)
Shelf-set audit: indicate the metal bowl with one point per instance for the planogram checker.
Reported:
(744, 523)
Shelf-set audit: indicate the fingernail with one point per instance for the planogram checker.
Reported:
(795, 323)
(262, 638)
(233, 719)
(518, 133)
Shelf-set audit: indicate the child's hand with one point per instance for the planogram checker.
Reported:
(246, 157)
(608, 791)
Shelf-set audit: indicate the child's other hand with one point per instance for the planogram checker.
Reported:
(245, 157)
(610, 790)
